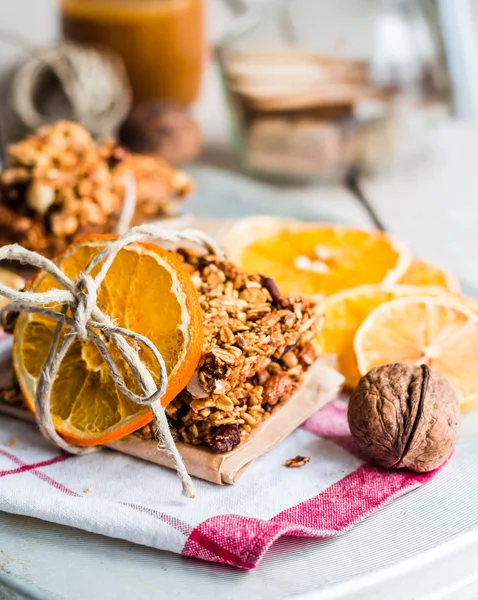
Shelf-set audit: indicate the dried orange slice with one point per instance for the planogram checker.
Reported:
(421, 272)
(345, 312)
(146, 290)
(315, 259)
(424, 330)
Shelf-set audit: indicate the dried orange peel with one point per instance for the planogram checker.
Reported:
(316, 259)
(421, 272)
(345, 312)
(147, 290)
(436, 331)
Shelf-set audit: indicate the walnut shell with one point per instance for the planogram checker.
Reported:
(404, 416)
(163, 129)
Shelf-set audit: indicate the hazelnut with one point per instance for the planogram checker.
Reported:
(40, 197)
(163, 129)
(404, 416)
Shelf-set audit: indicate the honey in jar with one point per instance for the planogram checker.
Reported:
(160, 41)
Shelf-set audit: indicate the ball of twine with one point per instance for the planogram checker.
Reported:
(93, 80)
(87, 322)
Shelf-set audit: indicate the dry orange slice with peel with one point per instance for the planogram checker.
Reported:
(146, 290)
(345, 312)
(435, 331)
(315, 259)
(421, 272)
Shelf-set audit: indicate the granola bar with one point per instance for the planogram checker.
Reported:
(59, 184)
(258, 348)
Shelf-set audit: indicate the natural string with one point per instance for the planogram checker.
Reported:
(95, 84)
(93, 80)
(129, 205)
(88, 322)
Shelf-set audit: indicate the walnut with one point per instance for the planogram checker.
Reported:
(163, 129)
(404, 416)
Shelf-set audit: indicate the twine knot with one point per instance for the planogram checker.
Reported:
(86, 302)
(88, 322)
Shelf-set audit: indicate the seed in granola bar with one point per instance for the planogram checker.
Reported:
(298, 461)
(225, 439)
(224, 403)
(307, 336)
(147, 432)
(289, 319)
(248, 418)
(295, 371)
(183, 412)
(275, 368)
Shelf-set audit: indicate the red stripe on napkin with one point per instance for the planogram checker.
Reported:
(25, 467)
(242, 541)
(331, 424)
(33, 469)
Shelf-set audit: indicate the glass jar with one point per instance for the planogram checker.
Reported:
(318, 89)
(160, 41)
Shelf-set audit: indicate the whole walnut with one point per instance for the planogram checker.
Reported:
(163, 129)
(404, 416)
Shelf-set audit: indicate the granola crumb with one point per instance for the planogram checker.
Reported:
(87, 491)
(11, 443)
(298, 461)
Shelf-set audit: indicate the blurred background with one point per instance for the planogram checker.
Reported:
(361, 111)
(384, 70)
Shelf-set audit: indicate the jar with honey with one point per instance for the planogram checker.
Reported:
(160, 41)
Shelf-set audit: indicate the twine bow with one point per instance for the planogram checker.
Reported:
(88, 322)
